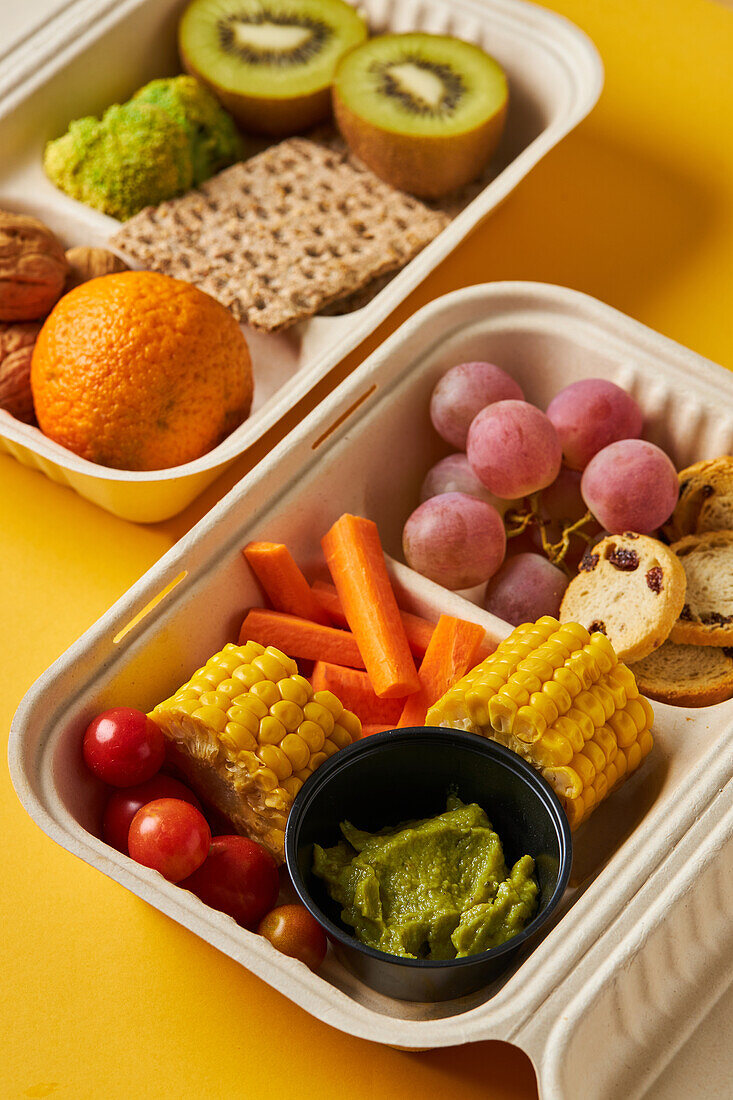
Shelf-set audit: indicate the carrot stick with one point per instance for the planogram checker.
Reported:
(417, 631)
(356, 562)
(282, 581)
(353, 688)
(373, 727)
(300, 638)
(453, 650)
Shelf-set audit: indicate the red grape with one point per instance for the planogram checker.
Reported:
(462, 392)
(124, 804)
(513, 449)
(238, 877)
(525, 588)
(123, 747)
(590, 414)
(170, 836)
(455, 540)
(630, 486)
(453, 474)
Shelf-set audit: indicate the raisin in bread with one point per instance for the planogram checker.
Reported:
(632, 588)
(706, 617)
(686, 675)
(706, 499)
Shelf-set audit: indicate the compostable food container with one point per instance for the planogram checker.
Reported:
(641, 944)
(99, 55)
(408, 773)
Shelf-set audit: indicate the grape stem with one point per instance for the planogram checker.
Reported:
(519, 519)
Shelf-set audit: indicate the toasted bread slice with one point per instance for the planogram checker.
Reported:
(632, 588)
(707, 615)
(686, 675)
(706, 499)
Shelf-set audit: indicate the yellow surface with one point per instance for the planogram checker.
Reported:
(102, 996)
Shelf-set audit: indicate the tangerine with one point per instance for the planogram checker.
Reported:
(140, 371)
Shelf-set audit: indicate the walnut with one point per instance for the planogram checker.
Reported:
(16, 352)
(33, 268)
(89, 263)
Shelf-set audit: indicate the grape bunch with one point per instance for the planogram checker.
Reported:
(536, 486)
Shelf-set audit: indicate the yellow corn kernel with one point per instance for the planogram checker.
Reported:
(349, 722)
(295, 689)
(595, 754)
(212, 717)
(315, 711)
(551, 750)
(340, 736)
(623, 675)
(266, 779)
(237, 737)
(583, 721)
(570, 730)
(330, 747)
(624, 726)
(248, 676)
(529, 724)
(290, 714)
(588, 703)
(564, 780)
(568, 680)
(245, 716)
(604, 738)
(292, 785)
(600, 786)
(328, 700)
(503, 710)
(274, 758)
(602, 652)
(267, 691)
(296, 750)
(559, 696)
(476, 705)
(312, 734)
(544, 704)
(319, 758)
(271, 732)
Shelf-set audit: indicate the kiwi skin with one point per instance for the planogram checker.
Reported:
(426, 166)
(271, 117)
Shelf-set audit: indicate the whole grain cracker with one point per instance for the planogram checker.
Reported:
(278, 237)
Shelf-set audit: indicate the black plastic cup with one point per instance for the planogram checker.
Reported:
(405, 774)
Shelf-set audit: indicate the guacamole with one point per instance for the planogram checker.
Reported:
(432, 889)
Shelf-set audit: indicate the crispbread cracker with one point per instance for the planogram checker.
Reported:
(278, 237)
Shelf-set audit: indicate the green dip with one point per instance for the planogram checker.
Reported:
(432, 889)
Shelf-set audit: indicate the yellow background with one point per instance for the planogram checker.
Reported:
(102, 996)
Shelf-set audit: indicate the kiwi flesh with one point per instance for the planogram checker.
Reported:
(269, 62)
(425, 112)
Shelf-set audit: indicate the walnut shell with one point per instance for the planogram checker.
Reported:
(16, 351)
(33, 268)
(89, 263)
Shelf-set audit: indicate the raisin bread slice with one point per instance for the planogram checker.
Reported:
(706, 499)
(632, 588)
(707, 615)
(686, 675)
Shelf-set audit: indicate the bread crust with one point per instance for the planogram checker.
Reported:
(686, 676)
(700, 484)
(632, 587)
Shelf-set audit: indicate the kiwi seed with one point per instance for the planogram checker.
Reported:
(282, 49)
(451, 93)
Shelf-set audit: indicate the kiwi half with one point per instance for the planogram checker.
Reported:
(425, 112)
(270, 62)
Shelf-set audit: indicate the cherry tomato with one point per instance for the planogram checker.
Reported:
(292, 930)
(123, 747)
(239, 877)
(170, 836)
(124, 804)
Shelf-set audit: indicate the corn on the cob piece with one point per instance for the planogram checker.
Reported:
(559, 697)
(247, 731)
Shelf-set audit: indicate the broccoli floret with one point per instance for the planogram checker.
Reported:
(213, 136)
(135, 156)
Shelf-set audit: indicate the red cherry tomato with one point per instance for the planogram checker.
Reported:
(239, 877)
(124, 804)
(170, 836)
(123, 747)
(295, 932)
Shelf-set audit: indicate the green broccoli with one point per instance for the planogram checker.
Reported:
(136, 156)
(212, 134)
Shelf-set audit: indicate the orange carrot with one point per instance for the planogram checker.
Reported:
(300, 638)
(353, 688)
(417, 631)
(282, 581)
(373, 727)
(356, 562)
(453, 650)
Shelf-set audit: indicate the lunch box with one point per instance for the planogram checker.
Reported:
(96, 54)
(639, 948)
